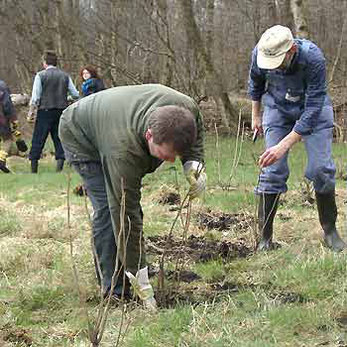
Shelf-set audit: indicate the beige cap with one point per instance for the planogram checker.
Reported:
(273, 46)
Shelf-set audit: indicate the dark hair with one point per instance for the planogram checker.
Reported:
(91, 70)
(50, 58)
(173, 125)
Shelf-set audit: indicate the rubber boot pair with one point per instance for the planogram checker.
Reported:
(35, 164)
(327, 212)
(3, 157)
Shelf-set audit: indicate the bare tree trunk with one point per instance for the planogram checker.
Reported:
(202, 57)
(163, 30)
(58, 15)
(272, 6)
(286, 15)
(299, 15)
(338, 54)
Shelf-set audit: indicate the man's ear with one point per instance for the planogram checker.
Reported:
(294, 48)
(148, 134)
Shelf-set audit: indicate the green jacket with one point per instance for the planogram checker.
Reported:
(113, 124)
(110, 127)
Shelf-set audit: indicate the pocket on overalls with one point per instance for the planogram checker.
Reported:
(294, 95)
(271, 117)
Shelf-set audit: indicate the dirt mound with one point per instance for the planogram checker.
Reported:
(197, 249)
(194, 296)
(169, 198)
(225, 221)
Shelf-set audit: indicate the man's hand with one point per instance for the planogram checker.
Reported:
(31, 117)
(256, 117)
(274, 153)
(196, 176)
(271, 155)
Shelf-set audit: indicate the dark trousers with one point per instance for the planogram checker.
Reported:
(103, 235)
(47, 122)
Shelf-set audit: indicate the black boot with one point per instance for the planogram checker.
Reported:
(327, 212)
(60, 165)
(34, 165)
(267, 208)
(3, 167)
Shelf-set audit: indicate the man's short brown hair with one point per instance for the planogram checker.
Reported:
(173, 125)
(50, 58)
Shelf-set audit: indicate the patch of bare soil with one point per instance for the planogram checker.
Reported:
(196, 248)
(194, 295)
(288, 298)
(225, 221)
(183, 275)
(342, 320)
(169, 198)
(18, 336)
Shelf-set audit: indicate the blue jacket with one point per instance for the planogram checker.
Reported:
(91, 86)
(299, 92)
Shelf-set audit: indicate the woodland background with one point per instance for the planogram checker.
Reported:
(200, 47)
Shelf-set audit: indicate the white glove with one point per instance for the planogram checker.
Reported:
(142, 288)
(196, 176)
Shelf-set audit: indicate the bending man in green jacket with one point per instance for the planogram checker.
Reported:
(113, 139)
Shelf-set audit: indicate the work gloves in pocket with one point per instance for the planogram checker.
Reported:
(196, 176)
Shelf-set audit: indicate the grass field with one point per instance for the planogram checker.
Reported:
(228, 295)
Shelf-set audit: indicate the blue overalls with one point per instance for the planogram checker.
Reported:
(296, 99)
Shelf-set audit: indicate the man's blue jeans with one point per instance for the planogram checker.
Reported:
(103, 235)
(320, 166)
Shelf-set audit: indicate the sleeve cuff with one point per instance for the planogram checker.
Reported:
(302, 129)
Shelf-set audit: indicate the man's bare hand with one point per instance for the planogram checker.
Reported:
(257, 124)
(257, 118)
(274, 153)
(271, 155)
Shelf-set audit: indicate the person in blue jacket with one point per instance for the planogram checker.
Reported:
(289, 77)
(92, 83)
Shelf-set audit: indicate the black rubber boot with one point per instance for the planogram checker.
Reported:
(21, 145)
(60, 165)
(3, 156)
(267, 208)
(3, 167)
(34, 165)
(327, 212)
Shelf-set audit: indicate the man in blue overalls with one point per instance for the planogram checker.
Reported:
(288, 75)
